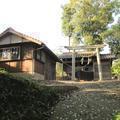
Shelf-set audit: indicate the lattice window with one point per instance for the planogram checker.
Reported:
(10, 53)
(41, 56)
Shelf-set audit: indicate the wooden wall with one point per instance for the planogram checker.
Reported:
(17, 66)
(24, 63)
(12, 39)
(106, 70)
(50, 68)
(39, 67)
(26, 51)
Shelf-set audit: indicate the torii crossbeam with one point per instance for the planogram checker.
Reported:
(78, 48)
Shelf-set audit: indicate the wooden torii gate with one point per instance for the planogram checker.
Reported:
(78, 48)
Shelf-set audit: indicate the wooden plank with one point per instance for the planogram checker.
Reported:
(84, 47)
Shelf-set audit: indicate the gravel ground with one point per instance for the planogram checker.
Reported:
(93, 101)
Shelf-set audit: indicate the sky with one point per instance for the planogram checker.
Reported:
(38, 18)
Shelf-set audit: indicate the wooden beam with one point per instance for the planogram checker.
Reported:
(62, 70)
(33, 62)
(99, 64)
(86, 53)
(84, 47)
(69, 41)
(76, 61)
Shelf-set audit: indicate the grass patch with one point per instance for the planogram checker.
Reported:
(117, 117)
(26, 100)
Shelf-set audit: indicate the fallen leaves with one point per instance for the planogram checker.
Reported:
(93, 101)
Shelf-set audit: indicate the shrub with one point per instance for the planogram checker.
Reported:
(3, 71)
(117, 117)
(116, 68)
(25, 100)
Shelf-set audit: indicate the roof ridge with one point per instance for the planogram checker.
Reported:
(13, 31)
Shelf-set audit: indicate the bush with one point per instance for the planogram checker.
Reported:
(116, 68)
(3, 71)
(117, 117)
(25, 100)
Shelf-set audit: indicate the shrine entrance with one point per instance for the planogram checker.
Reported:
(84, 70)
(82, 67)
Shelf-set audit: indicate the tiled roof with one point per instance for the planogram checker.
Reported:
(102, 56)
(107, 56)
(12, 31)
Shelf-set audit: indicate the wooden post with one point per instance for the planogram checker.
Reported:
(33, 62)
(73, 65)
(62, 71)
(69, 42)
(99, 65)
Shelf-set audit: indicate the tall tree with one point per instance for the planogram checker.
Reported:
(88, 19)
(113, 39)
(66, 21)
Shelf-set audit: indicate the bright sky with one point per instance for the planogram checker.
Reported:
(38, 18)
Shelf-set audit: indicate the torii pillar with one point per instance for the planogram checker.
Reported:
(99, 64)
(73, 65)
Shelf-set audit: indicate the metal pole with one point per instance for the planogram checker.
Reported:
(99, 65)
(73, 65)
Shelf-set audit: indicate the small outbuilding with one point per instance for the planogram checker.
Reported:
(20, 53)
(86, 67)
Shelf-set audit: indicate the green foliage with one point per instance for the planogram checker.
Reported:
(27, 100)
(66, 23)
(88, 19)
(113, 39)
(117, 117)
(116, 67)
(58, 69)
(3, 71)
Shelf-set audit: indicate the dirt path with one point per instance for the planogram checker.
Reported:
(93, 101)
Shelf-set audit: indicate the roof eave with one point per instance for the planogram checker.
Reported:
(52, 54)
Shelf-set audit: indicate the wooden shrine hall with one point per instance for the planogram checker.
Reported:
(86, 63)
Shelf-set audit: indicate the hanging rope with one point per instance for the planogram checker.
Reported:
(82, 68)
(89, 60)
(86, 54)
(87, 67)
(82, 60)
